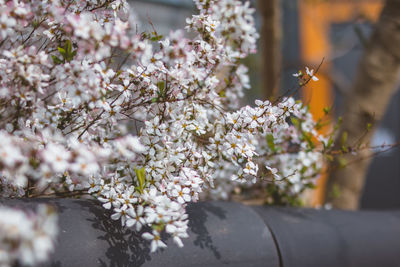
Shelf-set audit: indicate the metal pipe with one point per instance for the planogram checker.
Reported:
(226, 233)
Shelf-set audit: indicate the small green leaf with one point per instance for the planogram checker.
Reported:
(62, 51)
(141, 176)
(73, 54)
(156, 38)
(310, 186)
(270, 142)
(35, 24)
(34, 163)
(337, 125)
(68, 47)
(329, 144)
(159, 227)
(66, 52)
(303, 170)
(161, 87)
(327, 110)
(308, 138)
(56, 60)
(343, 139)
(295, 121)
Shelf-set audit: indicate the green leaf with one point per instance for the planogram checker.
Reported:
(310, 186)
(303, 170)
(343, 139)
(159, 227)
(319, 124)
(56, 60)
(328, 144)
(62, 51)
(337, 125)
(66, 52)
(270, 142)
(156, 38)
(161, 87)
(73, 54)
(34, 163)
(308, 138)
(141, 176)
(327, 110)
(295, 121)
(35, 24)
(68, 47)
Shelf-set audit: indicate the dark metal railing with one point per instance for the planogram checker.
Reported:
(229, 234)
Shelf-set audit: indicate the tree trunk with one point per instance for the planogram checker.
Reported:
(271, 35)
(375, 82)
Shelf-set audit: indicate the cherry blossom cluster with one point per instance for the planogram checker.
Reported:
(26, 237)
(267, 144)
(144, 123)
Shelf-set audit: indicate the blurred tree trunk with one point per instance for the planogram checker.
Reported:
(271, 35)
(375, 82)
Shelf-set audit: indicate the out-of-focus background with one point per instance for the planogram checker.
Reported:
(298, 33)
